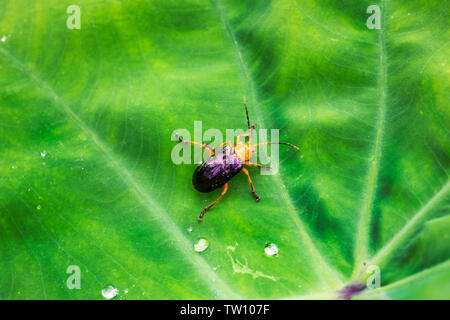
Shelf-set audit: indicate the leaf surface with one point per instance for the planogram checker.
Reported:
(86, 171)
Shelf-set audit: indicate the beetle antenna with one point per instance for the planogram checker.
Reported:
(246, 113)
(285, 143)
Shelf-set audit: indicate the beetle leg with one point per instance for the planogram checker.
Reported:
(257, 198)
(285, 143)
(225, 188)
(256, 165)
(222, 144)
(204, 146)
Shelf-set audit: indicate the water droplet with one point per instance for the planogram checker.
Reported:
(189, 229)
(4, 38)
(13, 167)
(109, 292)
(38, 207)
(126, 290)
(271, 249)
(201, 245)
(43, 154)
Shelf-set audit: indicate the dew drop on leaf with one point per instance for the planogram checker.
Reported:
(109, 292)
(201, 245)
(43, 154)
(189, 229)
(271, 249)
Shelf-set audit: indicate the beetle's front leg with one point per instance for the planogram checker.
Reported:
(257, 165)
(225, 188)
(204, 146)
(229, 143)
(252, 189)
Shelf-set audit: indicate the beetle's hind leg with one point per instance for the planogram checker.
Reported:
(204, 146)
(257, 165)
(225, 188)
(257, 198)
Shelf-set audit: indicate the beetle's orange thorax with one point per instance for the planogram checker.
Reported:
(243, 151)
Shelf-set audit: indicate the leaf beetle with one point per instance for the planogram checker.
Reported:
(227, 162)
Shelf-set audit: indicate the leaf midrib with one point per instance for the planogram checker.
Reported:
(362, 241)
(417, 219)
(325, 272)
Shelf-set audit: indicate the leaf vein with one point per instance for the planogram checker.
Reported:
(321, 266)
(215, 283)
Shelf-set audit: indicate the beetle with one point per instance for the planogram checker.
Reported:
(223, 165)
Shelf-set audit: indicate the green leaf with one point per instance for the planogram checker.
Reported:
(86, 171)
